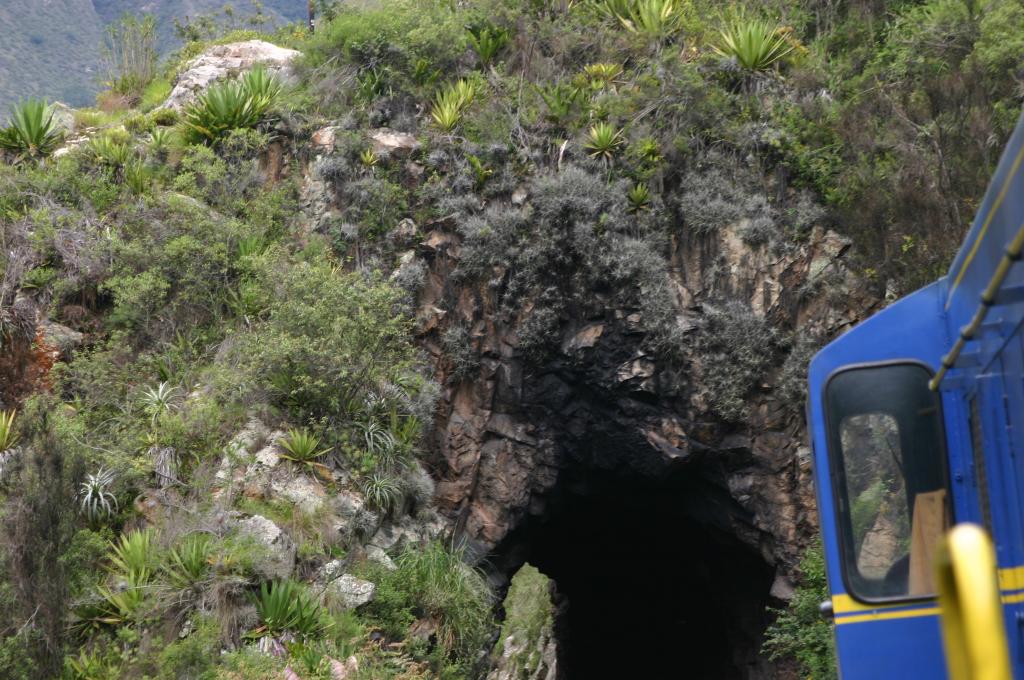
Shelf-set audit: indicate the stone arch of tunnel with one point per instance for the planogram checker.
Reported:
(655, 575)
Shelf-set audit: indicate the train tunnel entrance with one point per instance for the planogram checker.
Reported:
(653, 580)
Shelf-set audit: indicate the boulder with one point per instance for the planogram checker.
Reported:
(388, 141)
(345, 590)
(279, 558)
(63, 338)
(225, 61)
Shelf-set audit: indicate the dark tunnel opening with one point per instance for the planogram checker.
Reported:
(652, 580)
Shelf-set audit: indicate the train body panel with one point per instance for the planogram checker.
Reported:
(917, 423)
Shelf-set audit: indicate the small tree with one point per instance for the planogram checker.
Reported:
(130, 52)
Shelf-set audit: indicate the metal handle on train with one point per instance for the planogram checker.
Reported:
(973, 630)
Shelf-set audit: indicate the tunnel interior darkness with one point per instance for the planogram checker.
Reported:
(651, 580)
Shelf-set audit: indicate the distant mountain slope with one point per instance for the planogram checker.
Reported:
(51, 48)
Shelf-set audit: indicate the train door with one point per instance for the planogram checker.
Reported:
(884, 492)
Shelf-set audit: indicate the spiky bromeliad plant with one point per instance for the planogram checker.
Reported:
(233, 105)
(755, 44)
(8, 435)
(188, 563)
(32, 132)
(451, 103)
(381, 491)
(303, 447)
(95, 497)
(487, 41)
(603, 140)
(286, 607)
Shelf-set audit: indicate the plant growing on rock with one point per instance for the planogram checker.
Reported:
(232, 105)
(381, 491)
(303, 447)
(97, 501)
(32, 132)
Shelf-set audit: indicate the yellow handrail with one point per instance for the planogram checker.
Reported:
(973, 631)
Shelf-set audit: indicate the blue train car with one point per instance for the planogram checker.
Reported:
(917, 423)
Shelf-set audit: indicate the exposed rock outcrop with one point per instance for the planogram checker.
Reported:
(224, 61)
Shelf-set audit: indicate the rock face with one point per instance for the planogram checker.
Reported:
(278, 560)
(607, 402)
(225, 61)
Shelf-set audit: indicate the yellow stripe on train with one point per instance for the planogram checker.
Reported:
(849, 610)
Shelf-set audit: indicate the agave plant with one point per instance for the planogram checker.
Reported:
(487, 41)
(189, 562)
(95, 497)
(32, 132)
(655, 19)
(603, 140)
(755, 44)
(639, 197)
(376, 437)
(560, 100)
(233, 105)
(160, 400)
(450, 103)
(8, 435)
(602, 76)
(381, 491)
(287, 607)
(110, 151)
(132, 555)
(303, 447)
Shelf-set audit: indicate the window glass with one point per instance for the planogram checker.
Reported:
(889, 458)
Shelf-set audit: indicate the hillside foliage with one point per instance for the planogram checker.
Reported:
(208, 296)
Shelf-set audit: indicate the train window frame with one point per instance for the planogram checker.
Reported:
(838, 477)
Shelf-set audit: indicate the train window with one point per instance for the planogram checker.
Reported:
(888, 453)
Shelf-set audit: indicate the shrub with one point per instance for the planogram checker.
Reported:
(130, 51)
(735, 348)
(327, 338)
(31, 133)
(458, 345)
(799, 632)
(435, 581)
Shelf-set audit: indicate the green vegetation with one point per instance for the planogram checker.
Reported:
(31, 133)
(799, 631)
(223, 273)
(233, 105)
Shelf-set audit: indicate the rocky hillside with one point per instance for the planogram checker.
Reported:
(465, 341)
